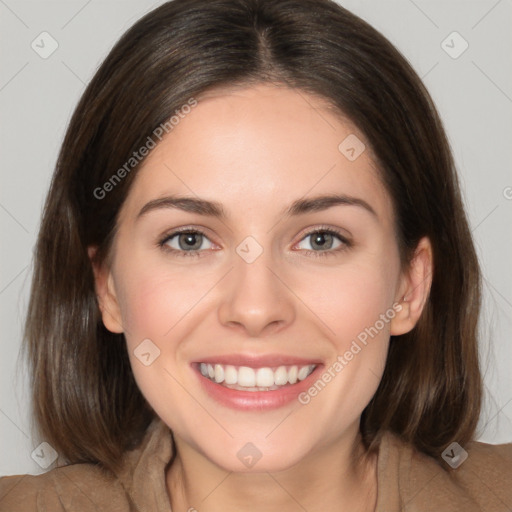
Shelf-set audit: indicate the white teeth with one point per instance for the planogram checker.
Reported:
(281, 376)
(246, 377)
(230, 374)
(303, 373)
(250, 379)
(264, 377)
(219, 373)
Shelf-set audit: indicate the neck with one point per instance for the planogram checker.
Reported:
(340, 476)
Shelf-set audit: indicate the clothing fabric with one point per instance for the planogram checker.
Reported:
(408, 481)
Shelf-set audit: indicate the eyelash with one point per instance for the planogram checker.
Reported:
(197, 253)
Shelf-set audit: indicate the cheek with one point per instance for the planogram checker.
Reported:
(355, 305)
(350, 298)
(158, 309)
(165, 305)
(356, 308)
(154, 300)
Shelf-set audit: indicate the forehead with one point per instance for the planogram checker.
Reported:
(257, 148)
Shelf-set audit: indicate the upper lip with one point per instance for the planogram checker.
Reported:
(259, 361)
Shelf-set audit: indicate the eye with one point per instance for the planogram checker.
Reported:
(324, 242)
(191, 242)
(186, 242)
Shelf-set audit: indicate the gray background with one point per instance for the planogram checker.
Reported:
(473, 93)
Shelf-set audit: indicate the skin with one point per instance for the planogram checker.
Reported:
(255, 150)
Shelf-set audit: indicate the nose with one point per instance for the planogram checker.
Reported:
(255, 300)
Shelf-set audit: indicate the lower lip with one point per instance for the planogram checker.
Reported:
(256, 400)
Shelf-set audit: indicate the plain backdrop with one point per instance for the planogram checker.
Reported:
(472, 90)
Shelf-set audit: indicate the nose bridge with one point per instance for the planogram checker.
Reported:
(255, 297)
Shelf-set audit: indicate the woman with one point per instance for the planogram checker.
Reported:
(255, 285)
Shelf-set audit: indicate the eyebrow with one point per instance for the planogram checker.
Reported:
(216, 210)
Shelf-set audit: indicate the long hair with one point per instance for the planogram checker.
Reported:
(85, 399)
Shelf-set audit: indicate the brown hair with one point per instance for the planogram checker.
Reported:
(84, 393)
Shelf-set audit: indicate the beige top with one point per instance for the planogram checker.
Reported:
(407, 481)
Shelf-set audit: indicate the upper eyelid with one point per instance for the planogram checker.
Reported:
(343, 233)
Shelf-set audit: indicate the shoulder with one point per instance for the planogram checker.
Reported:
(476, 477)
(139, 482)
(83, 487)
(486, 475)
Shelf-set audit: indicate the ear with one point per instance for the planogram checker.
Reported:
(105, 291)
(413, 289)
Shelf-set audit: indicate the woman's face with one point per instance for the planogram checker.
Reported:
(280, 284)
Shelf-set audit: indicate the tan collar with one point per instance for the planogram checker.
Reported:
(143, 470)
(403, 474)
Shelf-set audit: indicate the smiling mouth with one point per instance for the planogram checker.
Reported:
(244, 378)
